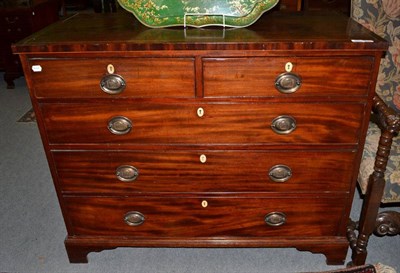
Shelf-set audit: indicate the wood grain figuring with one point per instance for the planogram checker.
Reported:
(185, 217)
(93, 172)
(221, 123)
(145, 77)
(201, 103)
(247, 77)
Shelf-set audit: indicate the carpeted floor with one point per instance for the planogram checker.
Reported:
(358, 269)
(368, 268)
(32, 229)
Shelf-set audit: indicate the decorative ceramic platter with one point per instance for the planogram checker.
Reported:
(197, 13)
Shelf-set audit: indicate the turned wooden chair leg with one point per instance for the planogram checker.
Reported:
(369, 212)
(366, 226)
(369, 222)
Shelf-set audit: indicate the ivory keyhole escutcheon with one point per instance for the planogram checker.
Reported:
(110, 69)
(200, 112)
(288, 67)
(204, 203)
(203, 158)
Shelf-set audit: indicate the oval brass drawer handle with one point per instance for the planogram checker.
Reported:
(119, 125)
(283, 125)
(280, 173)
(127, 173)
(288, 83)
(275, 219)
(134, 218)
(112, 84)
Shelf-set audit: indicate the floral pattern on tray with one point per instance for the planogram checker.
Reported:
(383, 18)
(197, 13)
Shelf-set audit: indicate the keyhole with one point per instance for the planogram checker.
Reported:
(200, 112)
(288, 67)
(203, 158)
(110, 69)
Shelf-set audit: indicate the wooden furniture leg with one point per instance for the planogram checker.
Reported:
(369, 223)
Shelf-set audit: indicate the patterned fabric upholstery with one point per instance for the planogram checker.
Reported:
(383, 18)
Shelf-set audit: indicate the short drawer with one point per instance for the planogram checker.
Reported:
(94, 172)
(113, 77)
(204, 217)
(257, 76)
(232, 123)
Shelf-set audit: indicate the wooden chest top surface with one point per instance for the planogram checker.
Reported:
(273, 31)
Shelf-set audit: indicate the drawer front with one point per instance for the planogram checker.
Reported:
(204, 171)
(204, 217)
(142, 77)
(215, 123)
(255, 77)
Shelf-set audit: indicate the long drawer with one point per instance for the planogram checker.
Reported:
(143, 77)
(204, 217)
(107, 172)
(193, 123)
(256, 77)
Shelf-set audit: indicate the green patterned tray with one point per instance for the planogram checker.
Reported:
(197, 13)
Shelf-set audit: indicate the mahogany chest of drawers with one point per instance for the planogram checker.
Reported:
(211, 137)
